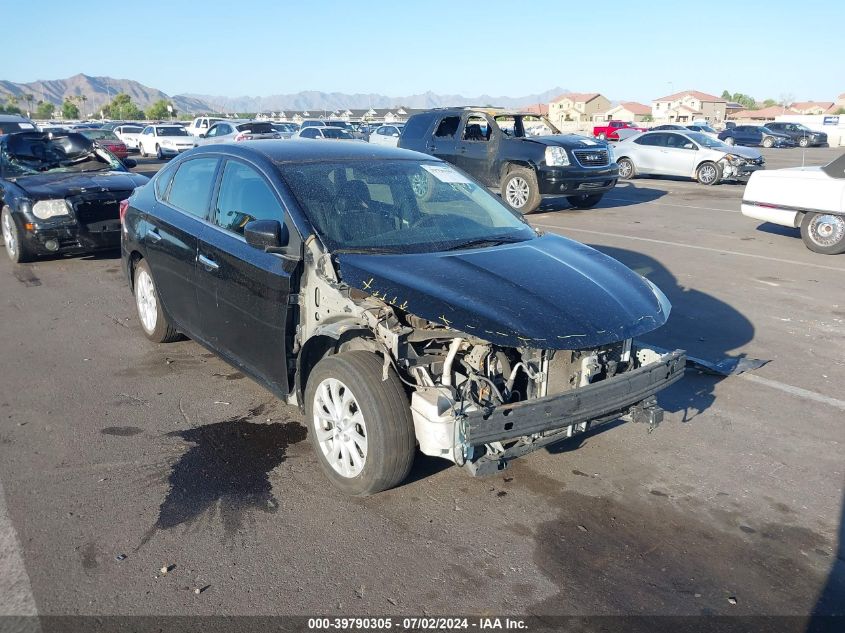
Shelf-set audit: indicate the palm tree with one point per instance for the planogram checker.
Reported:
(29, 99)
(82, 100)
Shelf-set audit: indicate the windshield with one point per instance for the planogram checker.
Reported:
(336, 132)
(99, 135)
(400, 207)
(706, 141)
(522, 125)
(26, 155)
(131, 130)
(171, 131)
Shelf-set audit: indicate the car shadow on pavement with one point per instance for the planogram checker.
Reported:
(704, 326)
(623, 195)
(829, 612)
(225, 472)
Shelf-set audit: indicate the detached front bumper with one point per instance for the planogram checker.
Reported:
(576, 180)
(629, 394)
(73, 238)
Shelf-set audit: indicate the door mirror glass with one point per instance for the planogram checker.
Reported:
(129, 163)
(266, 235)
(202, 135)
(689, 146)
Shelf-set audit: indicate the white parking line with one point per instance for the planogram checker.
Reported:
(693, 246)
(16, 597)
(795, 391)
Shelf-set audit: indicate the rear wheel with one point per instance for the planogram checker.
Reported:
(729, 140)
(141, 150)
(154, 321)
(16, 248)
(824, 233)
(520, 190)
(768, 142)
(602, 136)
(360, 425)
(626, 168)
(585, 201)
(159, 155)
(708, 173)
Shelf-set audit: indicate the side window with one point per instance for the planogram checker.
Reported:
(416, 127)
(382, 131)
(203, 122)
(652, 140)
(476, 128)
(244, 196)
(212, 132)
(448, 127)
(192, 186)
(310, 132)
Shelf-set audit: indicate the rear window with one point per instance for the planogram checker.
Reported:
(416, 127)
(131, 130)
(256, 128)
(192, 185)
(7, 127)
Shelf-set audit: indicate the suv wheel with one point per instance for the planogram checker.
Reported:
(159, 155)
(360, 425)
(520, 190)
(151, 314)
(602, 136)
(824, 233)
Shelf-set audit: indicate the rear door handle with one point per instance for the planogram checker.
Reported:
(208, 264)
(153, 235)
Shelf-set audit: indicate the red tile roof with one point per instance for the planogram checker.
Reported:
(636, 108)
(537, 108)
(701, 96)
(763, 113)
(806, 105)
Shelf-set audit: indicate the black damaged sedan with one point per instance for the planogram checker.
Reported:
(60, 194)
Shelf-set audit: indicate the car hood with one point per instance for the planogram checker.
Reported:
(44, 186)
(548, 292)
(739, 150)
(570, 141)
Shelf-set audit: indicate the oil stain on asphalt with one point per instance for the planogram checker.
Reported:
(225, 472)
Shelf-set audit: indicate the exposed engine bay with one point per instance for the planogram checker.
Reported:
(454, 377)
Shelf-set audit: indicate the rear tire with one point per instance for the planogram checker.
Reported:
(141, 150)
(16, 248)
(626, 168)
(585, 201)
(159, 155)
(359, 425)
(803, 142)
(151, 313)
(824, 233)
(768, 142)
(708, 173)
(729, 140)
(520, 190)
(602, 136)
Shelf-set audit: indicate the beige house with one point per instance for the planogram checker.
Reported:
(812, 107)
(629, 111)
(577, 106)
(688, 106)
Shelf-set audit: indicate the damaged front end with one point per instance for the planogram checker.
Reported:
(498, 359)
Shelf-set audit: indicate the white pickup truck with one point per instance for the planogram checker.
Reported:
(812, 198)
(201, 124)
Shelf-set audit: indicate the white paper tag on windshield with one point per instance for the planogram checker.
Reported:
(445, 174)
(587, 141)
(26, 126)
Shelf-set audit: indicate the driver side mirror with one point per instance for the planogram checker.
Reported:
(130, 163)
(202, 135)
(270, 236)
(689, 146)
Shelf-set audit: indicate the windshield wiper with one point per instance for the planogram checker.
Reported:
(485, 241)
(374, 250)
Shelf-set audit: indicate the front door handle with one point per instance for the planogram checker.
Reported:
(209, 264)
(153, 235)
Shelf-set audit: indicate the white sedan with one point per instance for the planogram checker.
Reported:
(164, 140)
(387, 135)
(129, 134)
(812, 198)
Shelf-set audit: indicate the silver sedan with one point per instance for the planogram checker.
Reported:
(688, 154)
(234, 131)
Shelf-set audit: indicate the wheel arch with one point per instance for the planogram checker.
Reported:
(509, 165)
(131, 263)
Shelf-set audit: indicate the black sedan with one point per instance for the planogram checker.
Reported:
(323, 271)
(60, 193)
(801, 134)
(755, 135)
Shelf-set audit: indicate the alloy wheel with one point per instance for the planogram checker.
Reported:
(707, 174)
(517, 192)
(9, 235)
(827, 230)
(145, 298)
(340, 428)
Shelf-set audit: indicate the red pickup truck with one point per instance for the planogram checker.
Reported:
(610, 130)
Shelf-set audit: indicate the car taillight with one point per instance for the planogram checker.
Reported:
(243, 137)
(124, 207)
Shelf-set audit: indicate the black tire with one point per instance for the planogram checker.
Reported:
(626, 168)
(386, 411)
(585, 201)
(768, 142)
(803, 142)
(422, 184)
(520, 190)
(729, 140)
(824, 233)
(141, 150)
(16, 248)
(159, 155)
(708, 173)
(161, 330)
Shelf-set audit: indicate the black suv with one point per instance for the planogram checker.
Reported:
(801, 134)
(522, 155)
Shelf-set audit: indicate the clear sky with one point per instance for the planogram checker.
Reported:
(624, 50)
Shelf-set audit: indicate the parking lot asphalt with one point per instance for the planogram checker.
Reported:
(119, 457)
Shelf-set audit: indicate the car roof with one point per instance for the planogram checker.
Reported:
(16, 118)
(294, 150)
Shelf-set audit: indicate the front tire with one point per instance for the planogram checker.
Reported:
(824, 233)
(768, 142)
(16, 248)
(729, 140)
(626, 168)
(360, 425)
(585, 201)
(520, 191)
(141, 150)
(159, 155)
(151, 314)
(708, 173)
(803, 142)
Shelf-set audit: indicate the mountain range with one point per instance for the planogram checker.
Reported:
(99, 91)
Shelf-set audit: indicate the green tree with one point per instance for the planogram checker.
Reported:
(70, 110)
(768, 103)
(159, 110)
(746, 101)
(840, 111)
(44, 110)
(122, 107)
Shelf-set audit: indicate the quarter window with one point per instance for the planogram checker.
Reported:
(244, 196)
(192, 186)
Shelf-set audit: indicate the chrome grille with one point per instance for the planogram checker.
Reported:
(591, 157)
